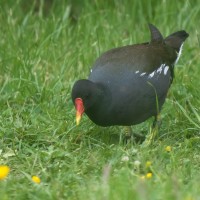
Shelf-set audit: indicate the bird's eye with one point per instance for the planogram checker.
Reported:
(87, 96)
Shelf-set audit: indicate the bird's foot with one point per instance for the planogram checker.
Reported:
(132, 137)
(157, 122)
(153, 131)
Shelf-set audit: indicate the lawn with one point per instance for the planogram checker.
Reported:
(44, 48)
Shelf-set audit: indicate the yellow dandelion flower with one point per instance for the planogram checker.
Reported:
(168, 148)
(4, 171)
(148, 163)
(36, 179)
(149, 175)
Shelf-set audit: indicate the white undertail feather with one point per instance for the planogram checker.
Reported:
(179, 54)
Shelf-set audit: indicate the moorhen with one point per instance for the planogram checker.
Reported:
(129, 84)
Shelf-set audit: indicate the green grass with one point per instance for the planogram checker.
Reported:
(43, 51)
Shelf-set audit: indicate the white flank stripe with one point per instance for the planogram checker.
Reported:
(165, 70)
(152, 74)
(137, 72)
(143, 74)
(159, 70)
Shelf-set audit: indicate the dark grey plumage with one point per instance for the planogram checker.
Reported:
(129, 84)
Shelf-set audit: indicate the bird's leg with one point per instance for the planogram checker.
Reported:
(157, 121)
(153, 131)
(128, 133)
(135, 137)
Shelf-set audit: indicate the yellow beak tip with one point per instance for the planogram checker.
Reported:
(78, 119)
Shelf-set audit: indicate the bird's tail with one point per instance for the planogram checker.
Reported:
(175, 40)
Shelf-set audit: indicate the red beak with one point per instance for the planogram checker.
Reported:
(79, 109)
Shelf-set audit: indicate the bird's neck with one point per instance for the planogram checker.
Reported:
(97, 111)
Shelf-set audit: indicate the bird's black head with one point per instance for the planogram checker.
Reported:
(85, 94)
(85, 90)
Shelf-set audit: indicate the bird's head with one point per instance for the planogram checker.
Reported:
(85, 94)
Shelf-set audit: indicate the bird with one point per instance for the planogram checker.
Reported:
(127, 85)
